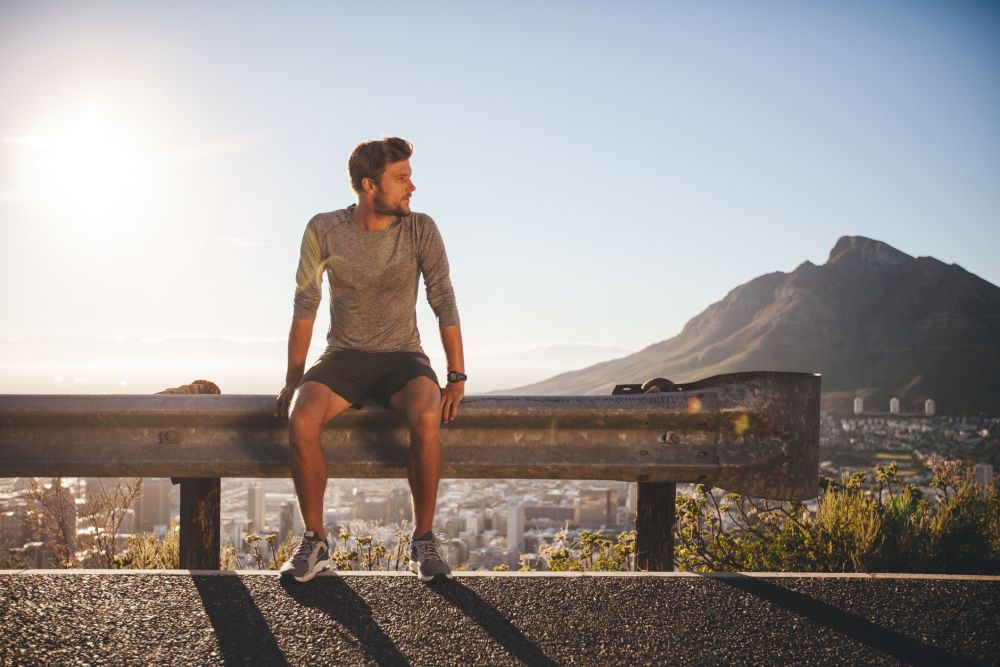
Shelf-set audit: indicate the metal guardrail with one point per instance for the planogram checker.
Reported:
(750, 433)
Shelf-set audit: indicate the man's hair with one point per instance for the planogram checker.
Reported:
(369, 159)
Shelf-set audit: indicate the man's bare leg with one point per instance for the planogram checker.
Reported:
(313, 406)
(419, 401)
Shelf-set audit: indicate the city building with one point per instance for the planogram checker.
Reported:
(15, 528)
(290, 520)
(894, 406)
(596, 507)
(859, 405)
(400, 508)
(929, 407)
(458, 552)
(454, 526)
(370, 508)
(632, 496)
(256, 507)
(152, 506)
(238, 532)
(515, 527)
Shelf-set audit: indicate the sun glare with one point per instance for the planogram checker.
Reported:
(89, 169)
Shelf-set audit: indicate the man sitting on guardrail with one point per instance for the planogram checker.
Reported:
(373, 254)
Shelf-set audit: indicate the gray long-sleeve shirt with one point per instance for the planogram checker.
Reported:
(373, 279)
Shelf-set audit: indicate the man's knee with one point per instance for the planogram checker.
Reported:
(305, 421)
(427, 415)
(425, 418)
(302, 430)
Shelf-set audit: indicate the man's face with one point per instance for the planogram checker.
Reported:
(392, 194)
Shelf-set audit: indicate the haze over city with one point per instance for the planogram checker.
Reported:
(600, 173)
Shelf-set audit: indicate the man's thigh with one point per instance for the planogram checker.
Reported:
(314, 403)
(421, 394)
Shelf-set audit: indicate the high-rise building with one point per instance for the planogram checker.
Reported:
(894, 406)
(515, 527)
(290, 520)
(596, 507)
(358, 502)
(400, 508)
(454, 526)
(859, 405)
(929, 407)
(152, 505)
(632, 497)
(239, 531)
(369, 508)
(472, 521)
(14, 527)
(459, 552)
(256, 507)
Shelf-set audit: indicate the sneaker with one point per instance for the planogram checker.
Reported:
(426, 558)
(312, 555)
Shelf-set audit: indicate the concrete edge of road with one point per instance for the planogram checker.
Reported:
(528, 575)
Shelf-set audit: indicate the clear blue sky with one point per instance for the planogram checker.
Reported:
(600, 172)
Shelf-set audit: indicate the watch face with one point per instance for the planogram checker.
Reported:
(455, 376)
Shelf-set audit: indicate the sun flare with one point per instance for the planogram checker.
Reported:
(89, 168)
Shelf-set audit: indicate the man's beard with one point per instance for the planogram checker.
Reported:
(383, 208)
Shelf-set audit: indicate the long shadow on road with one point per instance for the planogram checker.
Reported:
(348, 609)
(878, 637)
(243, 634)
(491, 620)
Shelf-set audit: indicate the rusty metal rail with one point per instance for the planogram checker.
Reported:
(751, 433)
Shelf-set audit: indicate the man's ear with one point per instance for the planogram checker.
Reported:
(368, 185)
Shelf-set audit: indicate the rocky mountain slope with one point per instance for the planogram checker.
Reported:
(874, 321)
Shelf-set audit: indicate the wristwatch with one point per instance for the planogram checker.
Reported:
(455, 376)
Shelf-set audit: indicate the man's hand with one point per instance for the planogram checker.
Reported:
(451, 396)
(284, 401)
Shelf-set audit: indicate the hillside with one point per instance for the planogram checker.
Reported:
(875, 321)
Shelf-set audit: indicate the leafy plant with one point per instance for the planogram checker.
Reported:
(146, 552)
(588, 552)
(866, 522)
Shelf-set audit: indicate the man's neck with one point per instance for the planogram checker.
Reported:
(365, 217)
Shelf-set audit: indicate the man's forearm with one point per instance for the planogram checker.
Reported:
(451, 339)
(299, 337)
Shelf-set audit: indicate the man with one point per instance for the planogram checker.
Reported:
(373, 254)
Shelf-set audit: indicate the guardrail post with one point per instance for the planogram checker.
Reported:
(654, 526)
(200, 523)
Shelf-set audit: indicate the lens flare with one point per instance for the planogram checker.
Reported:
(693, 405)
(741, 424)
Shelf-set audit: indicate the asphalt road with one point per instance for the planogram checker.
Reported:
(257, 619)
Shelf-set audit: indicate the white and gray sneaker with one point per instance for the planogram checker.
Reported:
(426, 558)
(312, 555)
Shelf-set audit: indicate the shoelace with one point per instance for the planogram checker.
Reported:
(303, 549)
(432, 548)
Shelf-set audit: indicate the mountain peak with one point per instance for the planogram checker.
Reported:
(876, 322)
(865, 250)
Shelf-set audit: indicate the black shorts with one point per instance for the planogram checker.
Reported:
(354, 375)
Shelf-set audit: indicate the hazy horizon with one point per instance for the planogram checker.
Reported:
(78, 365)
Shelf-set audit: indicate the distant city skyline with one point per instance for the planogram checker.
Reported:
(600, 173)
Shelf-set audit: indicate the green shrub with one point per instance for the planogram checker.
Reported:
(886, 527)
(589, 552)
(145, 552)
